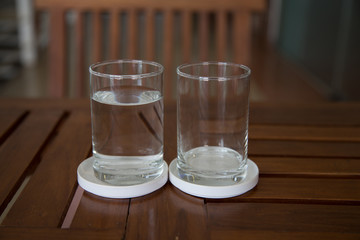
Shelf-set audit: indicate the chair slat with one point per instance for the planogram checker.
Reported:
(157, 43)
(150, 34)
(221, 34)
(186, 35)
(204, 35)
(57, 52)
(133, 34)
(114, 34)
(241, 37)
(97, 36)
(79, 56)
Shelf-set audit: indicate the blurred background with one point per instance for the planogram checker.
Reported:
(300, 50)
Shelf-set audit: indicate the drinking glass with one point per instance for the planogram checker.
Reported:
(212, 122)
(127, 121)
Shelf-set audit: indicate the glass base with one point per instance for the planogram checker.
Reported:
(201, 179)
(126, 180)
(92, 184)
(212, 165)
(127, 170)
(211, 189)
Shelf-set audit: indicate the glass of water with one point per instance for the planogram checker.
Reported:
(127, 121)
(212, 122)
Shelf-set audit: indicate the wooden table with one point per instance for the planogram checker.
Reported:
(309, 186)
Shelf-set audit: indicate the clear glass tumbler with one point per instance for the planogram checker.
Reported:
(212, 122)
(127, 121)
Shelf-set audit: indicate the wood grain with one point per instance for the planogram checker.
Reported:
(302, 190)
(22, 148)
(101, 213)
(283, 217)
(44, 201)
(304, 133)
(336, 114)
(56, 234)
(285, 148)
(24, 104)
(167, 214)
(308, 166)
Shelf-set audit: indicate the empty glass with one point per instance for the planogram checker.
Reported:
(212, 121)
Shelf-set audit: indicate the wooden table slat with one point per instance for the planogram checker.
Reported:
(283, 217)
(44, 200)
(335, 114)
(281, 235)
(21, 148)
(56, 234)
(304, 148)
(302, 190)
(45, 104)
(304, 133)
(307, 167)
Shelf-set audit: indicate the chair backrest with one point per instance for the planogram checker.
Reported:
(170, 32)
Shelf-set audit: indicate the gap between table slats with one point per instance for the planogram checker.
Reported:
(72, 208)
(9, 121)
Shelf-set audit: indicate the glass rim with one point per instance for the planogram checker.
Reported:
(159, 70)
(187, 75)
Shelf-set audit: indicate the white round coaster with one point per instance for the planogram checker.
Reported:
(88, 181)
(204, 191)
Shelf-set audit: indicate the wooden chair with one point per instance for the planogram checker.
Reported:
(169, 32)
